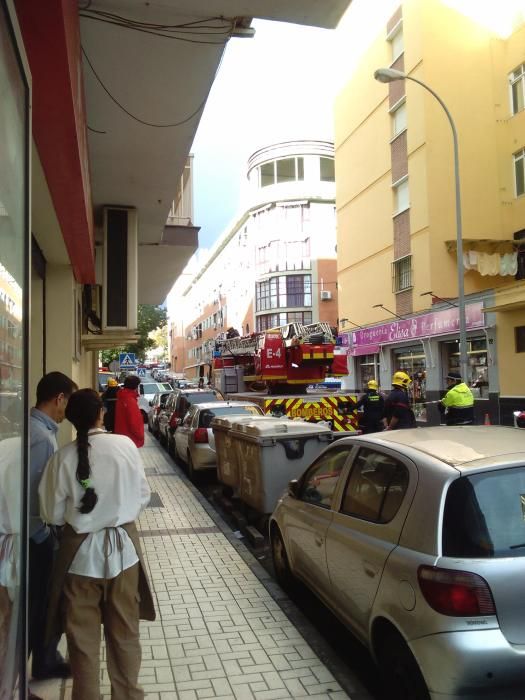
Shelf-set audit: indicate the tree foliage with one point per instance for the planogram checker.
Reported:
(149, 318)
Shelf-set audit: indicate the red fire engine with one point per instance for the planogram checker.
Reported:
(282, 362)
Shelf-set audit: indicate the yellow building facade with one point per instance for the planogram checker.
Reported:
(396, 205)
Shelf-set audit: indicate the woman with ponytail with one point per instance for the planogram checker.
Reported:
(95, 488)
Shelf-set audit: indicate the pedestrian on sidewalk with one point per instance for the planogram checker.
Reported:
(52, 395)
(128, 418)
(95, 488)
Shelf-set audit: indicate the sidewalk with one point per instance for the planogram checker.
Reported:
(219, 632)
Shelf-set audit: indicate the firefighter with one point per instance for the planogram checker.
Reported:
(373, 405)
(458, 402)
(398, 413)
(109, 397)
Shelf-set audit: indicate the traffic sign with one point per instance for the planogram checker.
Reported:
(141, 371)
(127, 360)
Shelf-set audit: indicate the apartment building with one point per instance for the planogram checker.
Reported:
(397, 262)
(275, 264)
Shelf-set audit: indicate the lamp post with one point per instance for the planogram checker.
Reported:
(388, 75)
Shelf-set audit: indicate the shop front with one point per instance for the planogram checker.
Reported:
(14, 266)
(426, 347)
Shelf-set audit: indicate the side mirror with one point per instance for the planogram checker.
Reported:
(293, 488)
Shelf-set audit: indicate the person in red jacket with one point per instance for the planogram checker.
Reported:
(128, 418)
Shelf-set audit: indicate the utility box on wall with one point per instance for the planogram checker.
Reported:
(119, 269)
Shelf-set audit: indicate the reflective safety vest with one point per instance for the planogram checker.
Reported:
(459, 403)
(459, 396)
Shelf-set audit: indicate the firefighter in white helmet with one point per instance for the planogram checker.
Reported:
(398, 413)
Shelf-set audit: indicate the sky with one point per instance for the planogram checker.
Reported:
(277, 86)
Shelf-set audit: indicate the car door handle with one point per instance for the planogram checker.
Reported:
(319, 541)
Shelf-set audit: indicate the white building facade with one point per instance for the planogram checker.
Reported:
(276, 264)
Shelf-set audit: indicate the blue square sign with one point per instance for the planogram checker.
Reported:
(127, 360)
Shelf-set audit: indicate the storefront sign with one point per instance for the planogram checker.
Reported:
(434, 323)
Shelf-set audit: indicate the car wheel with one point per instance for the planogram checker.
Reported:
(402, 676)
(149, 428)
(281, 565)
(144, 417)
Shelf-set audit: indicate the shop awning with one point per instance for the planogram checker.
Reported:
(364, 350)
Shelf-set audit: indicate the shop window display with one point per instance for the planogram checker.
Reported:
(412, 361)
(368, 369)
(13, 362)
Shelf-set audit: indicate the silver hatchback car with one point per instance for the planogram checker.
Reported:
(416, 540)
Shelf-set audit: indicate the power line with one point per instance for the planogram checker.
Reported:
(138, 119)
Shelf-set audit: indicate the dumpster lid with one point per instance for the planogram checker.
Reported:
(279, 427)
(227, 422)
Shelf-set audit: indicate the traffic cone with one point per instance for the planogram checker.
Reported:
(487, 420)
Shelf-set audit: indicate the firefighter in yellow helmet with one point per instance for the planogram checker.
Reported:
(373, 405)
(398, 413)
(109, 397)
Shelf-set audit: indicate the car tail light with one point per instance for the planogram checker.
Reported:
(455, 593)
(157, 409)
(173, 420)
(200, 435)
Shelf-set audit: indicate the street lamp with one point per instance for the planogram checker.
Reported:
(388, 75)
(382, 306)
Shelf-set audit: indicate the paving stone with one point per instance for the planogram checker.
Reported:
(219, 634)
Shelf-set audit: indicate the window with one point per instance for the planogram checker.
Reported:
(517, 89)
(402, 274)
(282, 170)
(376, 487)
(273, 320)
(519, 334)
(401, 196)
(519, 172)
(399, 119)
(267, 174)
(397, 44)
(319, 482)
(485, 515)
(279, 292)
(327, 169)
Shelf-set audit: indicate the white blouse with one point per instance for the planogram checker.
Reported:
(117, 475)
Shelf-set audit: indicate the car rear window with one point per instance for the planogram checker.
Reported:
(206, 416)
(152, 388)
(166, 386)
(485, 515)
(201, 397)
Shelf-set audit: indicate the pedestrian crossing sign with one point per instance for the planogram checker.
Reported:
(141, 372)
(127, 360)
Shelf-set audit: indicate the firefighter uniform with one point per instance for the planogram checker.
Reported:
(373, 405)
(458, 402)
(397, 406)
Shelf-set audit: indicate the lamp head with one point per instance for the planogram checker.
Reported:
(377, 306)
(388, 75)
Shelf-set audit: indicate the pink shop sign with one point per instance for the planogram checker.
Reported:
(434, 323)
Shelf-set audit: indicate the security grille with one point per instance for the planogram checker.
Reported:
(402, 274)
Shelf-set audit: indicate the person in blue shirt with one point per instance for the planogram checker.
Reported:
(52, 394)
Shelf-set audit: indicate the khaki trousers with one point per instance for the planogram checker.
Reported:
(84, 611)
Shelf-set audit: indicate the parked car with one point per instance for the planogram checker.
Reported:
(194, 439)
(177, 408)
(156, 405)
(147, 391)
(416, 540)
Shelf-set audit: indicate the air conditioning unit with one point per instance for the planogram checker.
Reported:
(119, 269)
(325, 295)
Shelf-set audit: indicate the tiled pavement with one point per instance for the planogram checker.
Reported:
(219, 631)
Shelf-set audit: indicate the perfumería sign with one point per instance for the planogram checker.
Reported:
(424, 326)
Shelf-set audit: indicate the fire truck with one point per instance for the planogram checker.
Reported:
(275, 368)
